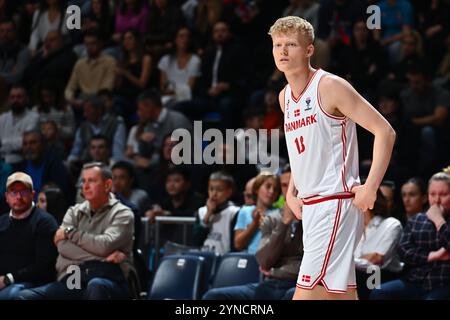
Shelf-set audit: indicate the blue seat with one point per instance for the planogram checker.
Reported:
(178, 277)
(211, 263)
(237, 268)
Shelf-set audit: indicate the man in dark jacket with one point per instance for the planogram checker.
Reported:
(27, 252)
(44, 168)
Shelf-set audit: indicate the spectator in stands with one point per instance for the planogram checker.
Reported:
(51, 107)
(145, 139)
(124, 182)
(414, 197)
(426, 108)
(306, 9)
(133, 72)
(50, 16)
(378, 246)
(99, 151)
(424, 249)
(336, 18)
(396, 20)
(14, 56)
(164, 19)
(52, 200)
(222, 73)
(27, 254)
(181, 200)
(53, 64)
(207, 13)
(99, 17)
(411, 54)
(247, 233)
(362, 63)
(100, 229)
(213, 230)
(179, 70)
(387, 188)
(98, 122)
(249, 198)
(55, 143)
(42, 166)
(92, 73)
(131, 14)
(279, 255)
(284, 184)
(14, 123)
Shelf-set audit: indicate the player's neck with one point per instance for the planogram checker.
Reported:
(298, 80)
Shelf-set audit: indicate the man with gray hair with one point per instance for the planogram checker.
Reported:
(95, 238)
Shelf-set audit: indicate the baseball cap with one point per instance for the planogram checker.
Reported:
(19, 177)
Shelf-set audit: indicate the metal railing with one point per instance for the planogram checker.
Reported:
(159, 220)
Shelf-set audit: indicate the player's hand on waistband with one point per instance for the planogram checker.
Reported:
(295, 204)
(364, 197)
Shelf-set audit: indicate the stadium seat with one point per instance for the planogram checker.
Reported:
(211, 263)
(178, 277)
(237, 268)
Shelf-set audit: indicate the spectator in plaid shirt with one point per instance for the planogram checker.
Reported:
(424, 247)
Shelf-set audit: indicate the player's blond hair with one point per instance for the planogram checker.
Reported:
(294, 24)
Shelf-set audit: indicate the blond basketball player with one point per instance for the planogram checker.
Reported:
(320, 112)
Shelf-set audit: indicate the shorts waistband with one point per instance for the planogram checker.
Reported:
(318, 198)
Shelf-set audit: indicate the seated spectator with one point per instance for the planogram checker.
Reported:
(279, 255)
(55, 143)
(206, 14)
(27, 254)
(130, 14)
(247, 233)
(90, 74)
(249, 198)
(179, 70)
(181, 201)
(99, 17)
(96, 234)
(124, 182)
(42, 166)
(53, 64)
(145, 139)
(98, 122)
(14, 123)
(14, 56)
(424, 249)
(132, 73)
(411, 54)
(362, 63)
(222, 74)
(99, 151)
(50, 16)
(213, 229)
(397, 19)
(51, 107)
(52, 200)
(284, 184)
(426, 108)
(387, 189)
(164, 19)
(414, 197)
(378, 246)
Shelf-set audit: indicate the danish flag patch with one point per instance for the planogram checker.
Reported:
(296, 113)
(306, 278)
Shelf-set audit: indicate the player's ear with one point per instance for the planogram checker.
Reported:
(310, 50)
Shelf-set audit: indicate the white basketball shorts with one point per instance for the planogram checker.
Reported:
(332, 228)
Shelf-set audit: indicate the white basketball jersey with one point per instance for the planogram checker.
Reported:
(323, 148)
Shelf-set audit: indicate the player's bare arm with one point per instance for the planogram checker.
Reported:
(348, 102)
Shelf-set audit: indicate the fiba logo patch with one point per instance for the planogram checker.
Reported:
(308, 102)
